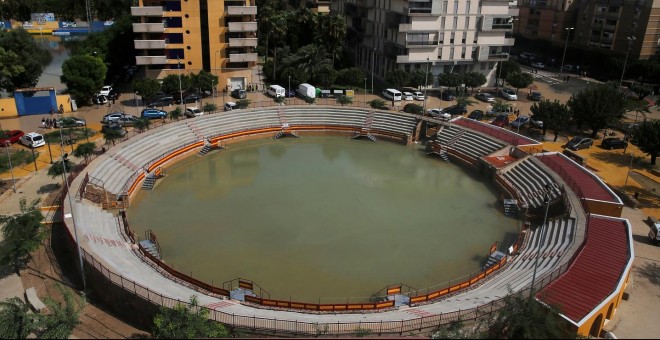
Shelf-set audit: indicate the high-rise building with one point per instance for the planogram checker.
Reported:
(192, 35)
(599, 24)
(447, 35)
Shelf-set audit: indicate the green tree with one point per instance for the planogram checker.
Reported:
(507, 67)
(647, 138)
(21, 60)
(176, 113)
(186, 322)
(378, 104)
(278, 33)
(203, 81)
(61, 319)
(279, 100)
(84, 76)
(309, 58)
(243, 103)
(521, 318)
(297, 75)
(500, 106)
(345, 100)
(397, 78)
(22, 233)
(413, 108)
(57, 170)
(554, 115)
(84, 150)
(519, 80)
(326, 75)
(16, 319)
(333, 31)
(642, 90)
(419, 78)
(351, 76)
(473, 79)
(171, 85)
(147, 88)
(110, 136)
(310, 100)
(597, 106)
(464, 101)
(451, 80)
(143, 123)
(209, 107)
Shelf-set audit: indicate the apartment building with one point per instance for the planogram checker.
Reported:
(445, 35)
(600, 24)
(191, 35)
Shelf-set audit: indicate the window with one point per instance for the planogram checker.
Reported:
(455, 7)
(451, 54)
(455, 22)
(467, 23)
(444, 6)
(451, 41)
(442, 24)
(467, 7)
(463, 53)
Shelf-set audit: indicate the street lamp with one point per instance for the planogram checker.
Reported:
(373, 58)
(137, 108)
(11, 168)
(180, 92)
(288, 94)
(568, 34)
(426, 83)
(73, 221)
(215, 61)
(630, 41)
(539, 241)
(365, 91)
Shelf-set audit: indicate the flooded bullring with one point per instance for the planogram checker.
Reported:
(322, 219)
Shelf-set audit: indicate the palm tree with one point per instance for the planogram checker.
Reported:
(335, 28)
(309, 58)
(278, 31)
(16, 321)
(61, 319)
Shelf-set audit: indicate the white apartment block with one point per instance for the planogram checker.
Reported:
(447, 35)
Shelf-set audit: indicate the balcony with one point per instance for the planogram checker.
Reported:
(498, 56)
(242, 57)
(491, 24)
(421, 44)
(149, 44)
(149, 28)
(151, 60)
(242, 42)
(242, 26)
(241, 10)
(609, 28)
(147, 11)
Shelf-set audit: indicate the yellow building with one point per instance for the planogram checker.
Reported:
(192, 35)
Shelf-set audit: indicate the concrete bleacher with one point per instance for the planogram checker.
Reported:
(470, 143)
(530, 179)
(302, 116)
(393, 122)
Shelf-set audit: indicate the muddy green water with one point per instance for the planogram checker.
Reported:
(322, 217)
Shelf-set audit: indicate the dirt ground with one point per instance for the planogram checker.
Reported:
(635, 318)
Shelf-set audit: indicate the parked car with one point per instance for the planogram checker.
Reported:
(613, 143)
(99, 99)
(447, 95)
(11, 137)
(538, 64)
(501, 121)
(192, 112)
(456, 110)
(535, 96)
(239, 94)
(192, 98)
(477, 115)
(105, 90)
(578, 143)
(230, 106)
(110, 117)
(438, 113)
(568, 68)
(114, 127)
(485, 97)
(508, 94)
(290, 93)
(113, 95)
(536, 123)
(126, 120)
(161, 100)
(153, 113)
(498, 112)
(520, 121)
(32, 140)
(418, 95)
(407, 96)
(70, 121)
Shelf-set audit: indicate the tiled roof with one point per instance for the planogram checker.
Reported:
(494, 131)
(583, 182)
(596, 271)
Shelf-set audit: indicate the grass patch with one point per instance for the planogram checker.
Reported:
(18, 158)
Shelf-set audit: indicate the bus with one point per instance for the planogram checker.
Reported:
(392, 94)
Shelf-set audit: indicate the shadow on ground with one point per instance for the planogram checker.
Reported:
(650, 271)
(48, 188)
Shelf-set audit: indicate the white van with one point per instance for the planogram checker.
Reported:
(306, 90)
(276, 91)
(392, 94)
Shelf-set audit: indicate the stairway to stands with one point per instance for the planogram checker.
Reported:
(149, 182)
(511, 207)
(150, 248)
(204, 150)
(283, 120)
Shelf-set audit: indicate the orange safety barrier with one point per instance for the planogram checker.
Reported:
(317, 307)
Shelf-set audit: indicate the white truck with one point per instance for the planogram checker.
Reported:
(654, 233)
(306, 90)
